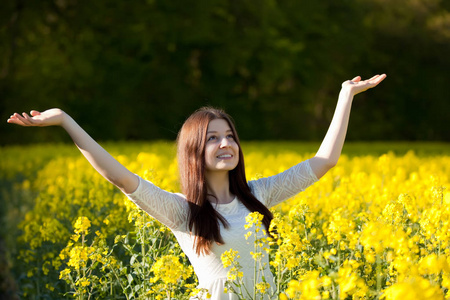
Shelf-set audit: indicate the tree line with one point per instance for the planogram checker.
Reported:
(135, 70)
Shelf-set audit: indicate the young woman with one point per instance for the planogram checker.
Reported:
(209, 217)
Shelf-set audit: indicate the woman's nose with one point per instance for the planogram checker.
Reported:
(224, 142)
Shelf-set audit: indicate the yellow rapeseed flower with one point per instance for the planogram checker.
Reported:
(169, 269)
(413, 288)
(81, 225)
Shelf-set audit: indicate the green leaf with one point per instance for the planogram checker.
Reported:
(133, 258)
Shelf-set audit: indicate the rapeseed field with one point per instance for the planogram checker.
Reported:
(375, 227)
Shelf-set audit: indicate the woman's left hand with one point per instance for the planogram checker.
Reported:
(356, 86)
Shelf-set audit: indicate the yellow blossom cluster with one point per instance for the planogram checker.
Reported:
(170, 270)
(168, 273)
(82, 225)
(374, 227)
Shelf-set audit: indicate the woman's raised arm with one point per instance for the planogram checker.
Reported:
(328, 154)
(101, 160)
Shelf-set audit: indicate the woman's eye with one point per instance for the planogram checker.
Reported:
(230, 136)
(211, 138)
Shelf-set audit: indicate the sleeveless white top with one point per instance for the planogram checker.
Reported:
(172, 210)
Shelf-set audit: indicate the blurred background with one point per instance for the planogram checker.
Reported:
(134, 70)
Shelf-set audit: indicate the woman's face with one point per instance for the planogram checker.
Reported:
(221, 149)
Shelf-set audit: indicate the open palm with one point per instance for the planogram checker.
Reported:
(51, 117)
(356, 85)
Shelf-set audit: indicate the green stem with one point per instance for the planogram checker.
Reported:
(121, 285)
(38, 284)
(82, 247)
(278, 278)
(333, 291)
(338, 292)
(304, 225)
(378, 274)
(142, 233)
(339, 252)
(254, 271)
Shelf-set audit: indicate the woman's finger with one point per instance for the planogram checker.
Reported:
(11, 119)
(28, 118)
(15, 119)
(24, 121)
(34, 113)
(373, 77)
(378, 79)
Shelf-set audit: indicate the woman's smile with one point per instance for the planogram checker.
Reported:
(225, 156)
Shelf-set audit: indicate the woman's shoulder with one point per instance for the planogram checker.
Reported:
(169, 208)
(257, 189)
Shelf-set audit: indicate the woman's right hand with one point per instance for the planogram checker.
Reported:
(101, 160)
(51, 117)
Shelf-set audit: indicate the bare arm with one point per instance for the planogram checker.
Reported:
(101, 160)
(328, 154)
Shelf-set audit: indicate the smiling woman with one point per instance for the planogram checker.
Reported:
(208, 218)
(212, 171)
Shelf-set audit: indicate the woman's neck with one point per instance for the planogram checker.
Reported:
(218, 185)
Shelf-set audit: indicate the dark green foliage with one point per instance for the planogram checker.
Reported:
(136, 70)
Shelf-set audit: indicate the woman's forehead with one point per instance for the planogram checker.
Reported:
(218, 125)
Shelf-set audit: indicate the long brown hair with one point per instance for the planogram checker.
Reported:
(203, 218)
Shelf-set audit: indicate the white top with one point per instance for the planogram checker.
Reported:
(172, 210)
